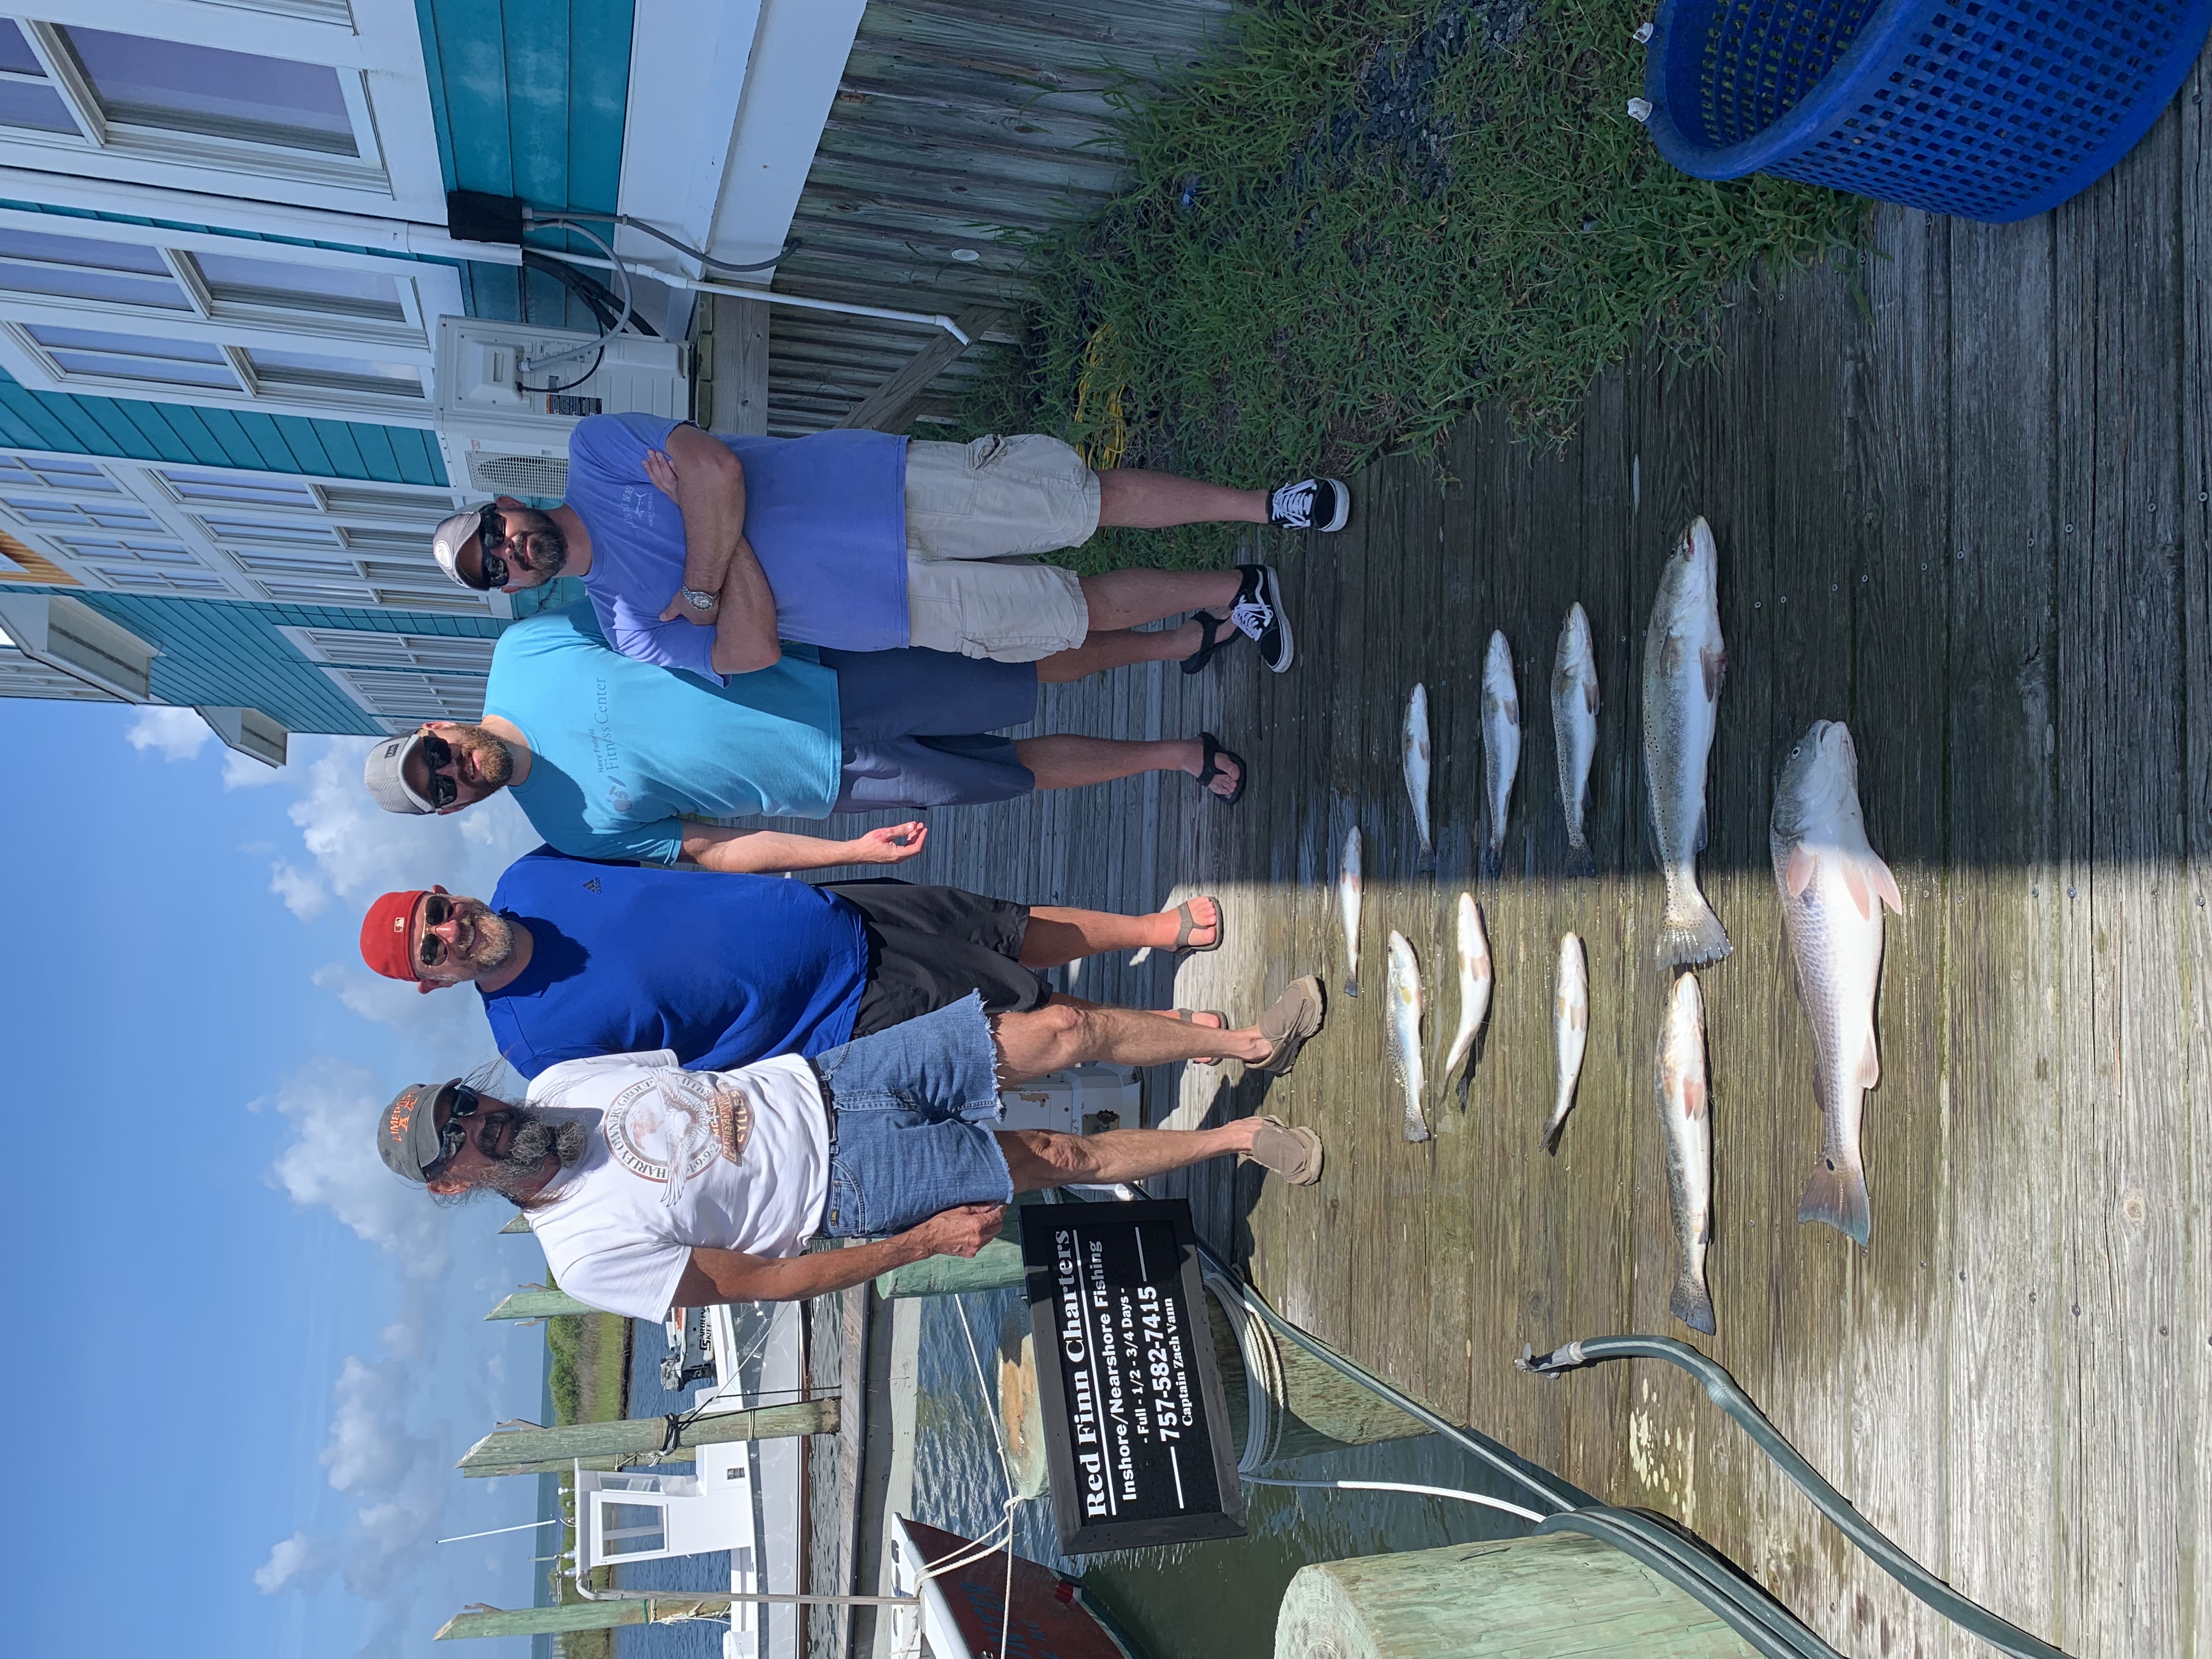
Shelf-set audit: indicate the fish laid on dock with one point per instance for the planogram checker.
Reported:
(1474, 988)
(1347, 907)
(1684, 663)
(1416, 762)
(1684, 1110)
(1574, 727)
(1832, 886)
(1501, 748)
(1406, 1032)
(1570, 1031)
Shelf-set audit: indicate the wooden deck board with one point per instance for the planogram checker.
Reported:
(2015, 1378)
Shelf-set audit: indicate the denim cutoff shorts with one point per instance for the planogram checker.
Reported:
(910, 1111)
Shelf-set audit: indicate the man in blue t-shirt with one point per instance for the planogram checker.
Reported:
(609, 757)
(574, 958)
(702, 551)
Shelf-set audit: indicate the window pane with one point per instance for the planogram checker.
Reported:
(135, 356)
(36, 509)
(273, 284)
(128, 547)
(80, 267)
(222, 94)
(40, 108)
(228, 487)
(300, 369)
(16, 52)
(224, 529)
(55, 474)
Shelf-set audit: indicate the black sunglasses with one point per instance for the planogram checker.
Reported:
(455, 1134)
(491, 531)
(438, 753)
(430, 951)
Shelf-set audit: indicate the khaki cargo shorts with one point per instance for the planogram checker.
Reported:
(974, 513)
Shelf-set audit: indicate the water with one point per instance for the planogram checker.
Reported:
(1212, 1601)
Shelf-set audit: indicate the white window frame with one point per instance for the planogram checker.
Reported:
(428, 291)
(374, 45)
(412, 687)
(343, 507)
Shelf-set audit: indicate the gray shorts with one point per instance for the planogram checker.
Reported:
(919, 726)
(973, 512)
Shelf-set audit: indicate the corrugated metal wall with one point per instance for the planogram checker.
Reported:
(957, 121)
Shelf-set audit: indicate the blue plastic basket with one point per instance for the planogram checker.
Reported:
(1991, 110)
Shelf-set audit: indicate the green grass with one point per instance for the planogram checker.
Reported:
(588, 1377)
(1360, 217)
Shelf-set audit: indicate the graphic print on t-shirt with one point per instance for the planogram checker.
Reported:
(669, 1118)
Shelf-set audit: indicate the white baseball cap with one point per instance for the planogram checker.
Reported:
(447, 541)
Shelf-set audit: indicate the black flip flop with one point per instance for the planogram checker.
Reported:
(1211, 768)
(1213, 634)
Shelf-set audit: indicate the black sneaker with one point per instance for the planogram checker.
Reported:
(1258, 613)
(1309, 504)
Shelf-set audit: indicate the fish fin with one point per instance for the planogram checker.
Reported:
(1693, 1303)
(1553, 1131)
(1804, 865)
(1702, 827)
(1870, 1063)
(1511, 708)
(1854, 884)
(1885, 883)
(1715, 664)
(1352, 987)
(1689, 942)
(1581, 861)
(1836, 1193)
(1417, 1129)
(1589, 696)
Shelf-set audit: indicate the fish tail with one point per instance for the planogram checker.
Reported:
(1553, 1131)
(1690, 934)
(1836, 1193)
(1493, 862)
(1692, 1303)
(1581, 861)
(1417, 1127)
(1352, 987)
(1465, 1079)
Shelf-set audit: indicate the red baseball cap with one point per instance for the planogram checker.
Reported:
(384, 942)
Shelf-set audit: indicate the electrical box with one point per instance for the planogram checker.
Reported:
(503, 423)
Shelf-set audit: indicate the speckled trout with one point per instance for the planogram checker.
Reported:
(1474, 988)
(1406, 1032)
(1685, 1115)
(1347, 907)
(1832, 886)
(1501, 749)
(1570, 1031)
(1684, 663)
(1574, 729)
(1416, 740)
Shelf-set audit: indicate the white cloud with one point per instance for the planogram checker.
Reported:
(332, 1160)
(244, 772)
(298, 1562)
(176, 734)
(303, 895)
(447, 1033)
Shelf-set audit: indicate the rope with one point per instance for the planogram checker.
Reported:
(1398, 1486)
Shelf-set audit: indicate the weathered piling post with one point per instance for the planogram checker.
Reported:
(633, 1439)
(540, 1305)
(1559, 1595)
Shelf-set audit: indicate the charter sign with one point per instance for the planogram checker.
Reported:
(1135, 1429)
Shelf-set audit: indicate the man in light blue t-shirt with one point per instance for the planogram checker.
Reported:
(700, 551)
(610, 758)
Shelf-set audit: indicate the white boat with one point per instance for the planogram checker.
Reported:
(747, 1496)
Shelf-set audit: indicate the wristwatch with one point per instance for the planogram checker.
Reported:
(698, 600)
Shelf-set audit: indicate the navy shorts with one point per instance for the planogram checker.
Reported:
(910, 1110)
(917, 728)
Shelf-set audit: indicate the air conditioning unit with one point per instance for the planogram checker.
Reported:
(504, 427)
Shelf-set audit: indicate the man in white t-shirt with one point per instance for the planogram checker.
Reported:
(652, 1188)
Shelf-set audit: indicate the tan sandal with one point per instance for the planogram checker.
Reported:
(1294, 1154)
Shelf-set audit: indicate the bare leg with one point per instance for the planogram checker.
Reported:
(1126, 599)
(1038, 1159)
(1057, 936)
(1067, 1033)
(1132, 498)
(1064, 761)
(1118, 649)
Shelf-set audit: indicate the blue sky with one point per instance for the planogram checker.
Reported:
(251, 1354)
